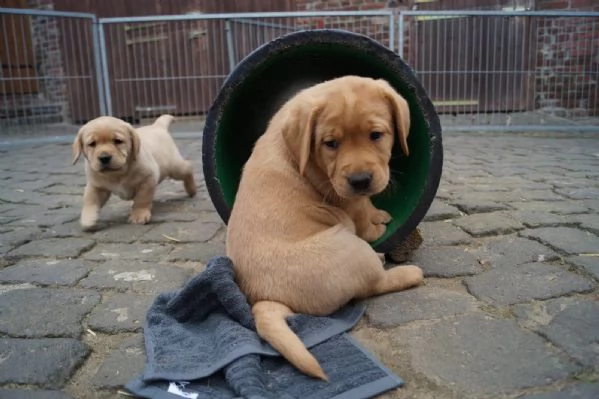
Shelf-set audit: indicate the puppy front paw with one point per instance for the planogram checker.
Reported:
(380, 217)
(88, 219)
(374, 232)
(140, 216)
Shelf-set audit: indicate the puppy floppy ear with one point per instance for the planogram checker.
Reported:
(135, 141)
(298, 132)
(401, 114)
(78, 145)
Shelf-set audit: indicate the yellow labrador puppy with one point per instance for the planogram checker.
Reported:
(302, 219)
(129, 163)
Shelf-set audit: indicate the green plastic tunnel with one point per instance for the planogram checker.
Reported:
(272, 73)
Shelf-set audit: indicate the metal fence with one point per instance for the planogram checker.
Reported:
(518, 71)
(177, 63)
(483, 70)
(48, 59)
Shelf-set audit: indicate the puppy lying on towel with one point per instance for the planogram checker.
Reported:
(299, 229)
(129, 163)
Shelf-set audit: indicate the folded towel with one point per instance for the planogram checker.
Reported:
(201, 342)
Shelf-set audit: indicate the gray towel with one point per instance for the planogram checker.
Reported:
(202, 341)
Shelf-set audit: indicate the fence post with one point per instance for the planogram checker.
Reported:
(98, 65)
(230, 45)
(104, 60)
(400, 39)
(392, 31)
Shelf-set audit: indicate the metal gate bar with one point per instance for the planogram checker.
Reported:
(55, 54)
(506, 70)
(183, 75)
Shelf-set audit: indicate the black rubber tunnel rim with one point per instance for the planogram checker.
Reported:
(337, 37)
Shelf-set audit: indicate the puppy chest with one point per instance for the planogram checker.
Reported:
(124, 193)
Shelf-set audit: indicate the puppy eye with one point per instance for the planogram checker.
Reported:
(91, 144)
(374, 136)
(117, 141)
(331, 144)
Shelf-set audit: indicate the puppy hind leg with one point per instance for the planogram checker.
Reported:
(184, 172)
(399, 278)
(396, 279)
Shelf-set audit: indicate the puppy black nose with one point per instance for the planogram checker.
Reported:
(360, 181)
(104, 159)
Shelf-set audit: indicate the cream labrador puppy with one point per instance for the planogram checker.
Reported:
(128, 162)
(299, 229)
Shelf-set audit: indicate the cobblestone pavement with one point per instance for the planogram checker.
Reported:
(510, 308)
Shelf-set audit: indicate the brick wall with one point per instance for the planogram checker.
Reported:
(49, 59)
(49, 103)
(568, 59)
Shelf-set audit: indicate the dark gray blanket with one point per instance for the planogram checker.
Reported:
(201, 342)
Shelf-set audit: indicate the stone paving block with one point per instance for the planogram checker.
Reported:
(487, 224)
(513, 195)
(46, 271)
(121, 233)
(129, 252)
(576, 330)
(581, 193)
(122, 364)
(32, 394)
(16, 196)
(16, 236)
(571, 183)
(539, 195)
(150, 277)
(47, 362)
(445, 261)
(511, 250)
(67, 189)
(54, 247)
(30, 185)
(422, 303)
(588, 222)
(194, 205)
(200, 252)
(442, 233)
(42, 312)
(162, 217)
(55, 201)
(566, 239)
(559, 207)
(120, 313)
(593, 204)
(441, 211)
(46, 220)
(577, 391)
(482, 355)
(183, 232)
(69, 229)
(589, 264)
(5, 220)
(534, 219)
(536, 314)
(470, 206)
(510, 285)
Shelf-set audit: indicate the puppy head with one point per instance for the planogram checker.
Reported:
(346, 128)
(109, 144)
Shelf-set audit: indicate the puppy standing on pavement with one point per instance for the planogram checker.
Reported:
(129, 163)
(302, 218)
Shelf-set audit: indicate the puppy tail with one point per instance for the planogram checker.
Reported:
(164, 120)
(272, 327)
